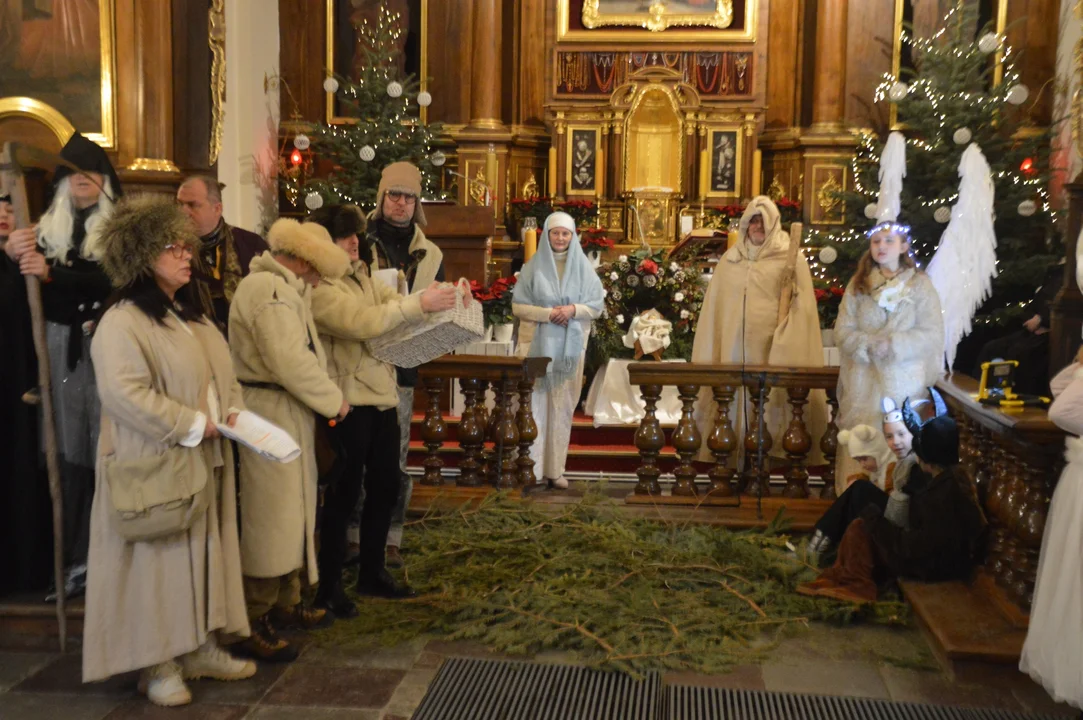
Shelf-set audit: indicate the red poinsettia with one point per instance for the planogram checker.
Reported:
(648, 266)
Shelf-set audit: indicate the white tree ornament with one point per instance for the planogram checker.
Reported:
(870, 211)
(988, 43)
(1018, 94)
(438, 158)
(828, 255)
(898, 91)
(942, 214)
(424, 99)
(394, 89)
(330, 85)
(313, 201)
(962, 136)
(367, 153)
(301, 141)
(1027, 208)
(965, 263)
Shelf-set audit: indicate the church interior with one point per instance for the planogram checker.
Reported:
(664, 568)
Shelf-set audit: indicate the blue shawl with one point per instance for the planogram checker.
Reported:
(540, 285)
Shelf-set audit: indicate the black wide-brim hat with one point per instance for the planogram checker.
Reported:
(88, 156)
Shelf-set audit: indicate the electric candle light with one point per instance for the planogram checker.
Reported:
(599, 174)
(552, 172)
(530, 243)
(703, 174)
(757, 172)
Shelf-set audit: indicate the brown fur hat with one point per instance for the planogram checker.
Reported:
(137, 232)
(310, 242)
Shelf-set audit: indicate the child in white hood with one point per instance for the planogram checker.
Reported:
(868, 447)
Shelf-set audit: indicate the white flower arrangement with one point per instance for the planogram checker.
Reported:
(622, 258)
(620, 319)
(684, 314)
(614, 276)
(679, 297)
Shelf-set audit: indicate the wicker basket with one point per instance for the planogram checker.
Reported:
(408, 346)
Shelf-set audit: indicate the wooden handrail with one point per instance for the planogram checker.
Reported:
(1027, 424)
(485, 367)
(656, 373)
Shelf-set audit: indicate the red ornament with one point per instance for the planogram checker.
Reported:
(1027, 165)
(295, 157)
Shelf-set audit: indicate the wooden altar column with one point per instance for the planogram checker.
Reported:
(1066, 310)
(486, 66)
(829, 79)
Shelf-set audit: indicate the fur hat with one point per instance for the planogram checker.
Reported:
(310, 242)
(402, 177)
(863, 441)
(341, 221)
(137, 232)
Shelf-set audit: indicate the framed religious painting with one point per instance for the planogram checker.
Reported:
(724, 150)
(581, 161)
(346, 53)
(59, 65)
(656, 21)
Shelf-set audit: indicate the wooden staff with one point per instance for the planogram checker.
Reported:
(789, 273)
(11, 178)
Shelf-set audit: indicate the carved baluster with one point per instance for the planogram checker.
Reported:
(481, 414)
(756, 477)
(496, 419)
(797, 442)
(723, 443)
(1011, 509)
(649, 440)
(471, 435)
(687, 440)
(968, 445)
(1038, 468)
(506, 439)
(829, 446)
(528, 433)
(983, 463)
(998, 486)
(433, 432)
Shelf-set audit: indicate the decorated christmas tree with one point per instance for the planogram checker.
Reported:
(952, 97)
(386, 102)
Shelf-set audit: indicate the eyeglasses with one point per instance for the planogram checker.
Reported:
(397, 196)
(178, 250)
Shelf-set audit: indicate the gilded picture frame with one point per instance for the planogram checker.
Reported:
(725, 151)
(421, 59)
(60, 115)
(620, 21)
(580, 160)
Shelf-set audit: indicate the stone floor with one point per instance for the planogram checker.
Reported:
(378, 683)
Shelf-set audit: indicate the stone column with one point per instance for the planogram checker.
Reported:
(486, 68)
(829, 79)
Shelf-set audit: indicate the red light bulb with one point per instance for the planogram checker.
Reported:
(1027, 165)
(295, 157)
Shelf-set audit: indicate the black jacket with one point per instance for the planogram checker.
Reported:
(947, 529)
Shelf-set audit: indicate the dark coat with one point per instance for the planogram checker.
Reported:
(947, 528)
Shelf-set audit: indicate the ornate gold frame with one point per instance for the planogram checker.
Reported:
(56, 120)
(570, 130)
(709, 28)
(329, 59)
(738, 185)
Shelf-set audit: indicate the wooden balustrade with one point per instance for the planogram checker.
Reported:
(1014, 459)
(506, 429)
(722, 440)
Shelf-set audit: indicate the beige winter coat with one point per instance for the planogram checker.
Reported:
(429, 265)
(149, 602)
(739, 325)
(273, 339)
(347, 313)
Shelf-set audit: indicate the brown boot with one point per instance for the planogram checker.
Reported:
(300, 617)
(264, 643)
(392, 557)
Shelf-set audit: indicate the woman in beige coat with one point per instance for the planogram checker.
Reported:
(166, 380)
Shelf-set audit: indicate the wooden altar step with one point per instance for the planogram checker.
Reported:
(968, 624)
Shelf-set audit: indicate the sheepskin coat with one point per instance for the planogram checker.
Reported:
(150, 602)
(274, 343)
(904, 312)
(347, 313)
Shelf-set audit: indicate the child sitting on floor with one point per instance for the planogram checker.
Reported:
(868, 447)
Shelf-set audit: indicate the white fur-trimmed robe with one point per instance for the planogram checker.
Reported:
(914, 332)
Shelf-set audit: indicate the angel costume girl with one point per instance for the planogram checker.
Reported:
(556, 298)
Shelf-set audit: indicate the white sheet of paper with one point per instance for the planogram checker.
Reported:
(389, 277)
(262, 436)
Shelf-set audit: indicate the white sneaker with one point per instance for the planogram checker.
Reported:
(561, 483)
(163, 685)
(211, 661)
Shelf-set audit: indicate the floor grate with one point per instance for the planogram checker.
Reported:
(513, 690)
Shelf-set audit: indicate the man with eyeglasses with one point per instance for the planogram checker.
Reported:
(397, 241)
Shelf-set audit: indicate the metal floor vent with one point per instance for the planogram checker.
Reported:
(467, 689)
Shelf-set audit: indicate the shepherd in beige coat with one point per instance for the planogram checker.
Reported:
(739, 324)
(283, 371)
(166, 381)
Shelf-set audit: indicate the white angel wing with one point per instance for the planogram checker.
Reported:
(892, 172)
(963, 268)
